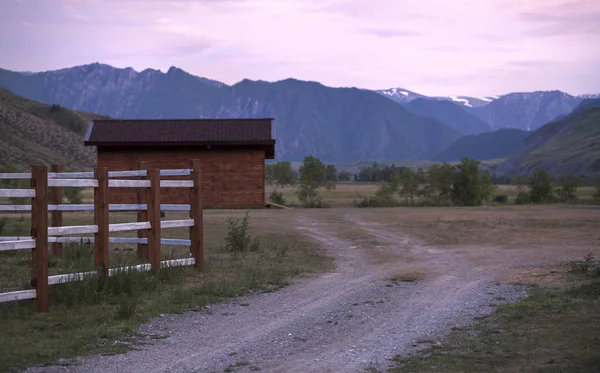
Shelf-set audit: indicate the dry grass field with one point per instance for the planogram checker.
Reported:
(345, 193)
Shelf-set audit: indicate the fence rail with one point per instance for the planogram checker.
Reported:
(120, 240)
(90, 175)
(90, 207)
(149, 225)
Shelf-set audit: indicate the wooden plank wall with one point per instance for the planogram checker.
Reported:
(230, 178)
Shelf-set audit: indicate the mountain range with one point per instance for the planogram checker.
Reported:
(567, 146)
(335, 124)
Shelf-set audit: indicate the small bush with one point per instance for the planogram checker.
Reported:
(73, 195)
(277, 197)
(501, 198)
(589, 266)
(316, 203)
(127, 306)
(376, 201)
(523, 198)
(238, 240)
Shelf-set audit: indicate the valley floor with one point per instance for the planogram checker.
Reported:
(402, 277)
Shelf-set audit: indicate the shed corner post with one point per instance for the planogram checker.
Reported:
(57, 215)
(101, 220)
(196, 213)
(39, 232)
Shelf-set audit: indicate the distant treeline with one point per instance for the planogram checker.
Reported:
(376, 173)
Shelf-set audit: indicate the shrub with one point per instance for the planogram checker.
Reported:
(277, 197)
(365, 201)
(501, 198)
(238, 240)
(73, 195)
(523, 198)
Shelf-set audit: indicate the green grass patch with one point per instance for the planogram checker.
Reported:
(549, 331)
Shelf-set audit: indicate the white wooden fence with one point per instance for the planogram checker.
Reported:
(149, 243)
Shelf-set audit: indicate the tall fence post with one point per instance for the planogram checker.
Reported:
(154, 219)
(142, 215)
(57, 216)
(39, 231)
(196, 231)
(101, 241)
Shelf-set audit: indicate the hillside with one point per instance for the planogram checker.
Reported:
(569, 146)
(334, 124)
(485, 146)
(448, 113)
(34, 133)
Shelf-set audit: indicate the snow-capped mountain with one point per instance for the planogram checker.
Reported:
(400, 95)
(523, 110)
(589, 95)
(469, 101)
(405, 96)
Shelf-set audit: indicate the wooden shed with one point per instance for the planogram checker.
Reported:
(231, 152)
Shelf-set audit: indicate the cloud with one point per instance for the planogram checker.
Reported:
(27, 24)
(570, 17)
(388, 32)
(531, 63)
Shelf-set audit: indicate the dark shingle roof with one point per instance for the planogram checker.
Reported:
(179, 132)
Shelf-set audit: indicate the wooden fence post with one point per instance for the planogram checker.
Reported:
(101, 241)
(154, 219)
(142, 215)
(39, 231)
(196, 213)
(57, 216)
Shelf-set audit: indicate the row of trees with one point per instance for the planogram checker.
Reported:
(442, 184)
(312, 176)
(541, 189)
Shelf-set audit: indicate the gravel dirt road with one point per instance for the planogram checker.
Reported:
(348, 320)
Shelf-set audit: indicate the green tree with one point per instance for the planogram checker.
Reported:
(280, 174)
(567, 189)
(313, 176)
(465, 188)
(470, 188)
(409, 182)
(440, 178)
(331, 173)
(344, 175)
(486, 187)
(540, 187)
(283, 174)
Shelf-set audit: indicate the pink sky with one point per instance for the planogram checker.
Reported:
(434, 47)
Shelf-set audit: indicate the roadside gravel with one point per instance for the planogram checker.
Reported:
(345, 321)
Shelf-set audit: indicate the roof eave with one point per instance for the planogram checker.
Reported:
(178, 143)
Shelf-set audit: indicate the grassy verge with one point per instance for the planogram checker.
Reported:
(552, 330)
(102, 316)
